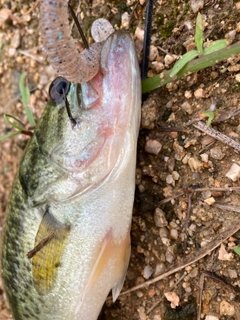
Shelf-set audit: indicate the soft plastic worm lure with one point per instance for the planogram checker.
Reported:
(60, 47)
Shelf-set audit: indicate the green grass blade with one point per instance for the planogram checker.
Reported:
(237, 250)
(216, 45)
(190, 55)
(192, 66)
(25, 93)
(11, 134)
(199, 34)
(12, 124)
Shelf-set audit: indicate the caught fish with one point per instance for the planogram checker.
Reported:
(67, 232)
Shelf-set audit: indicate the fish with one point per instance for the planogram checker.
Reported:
(66, 238)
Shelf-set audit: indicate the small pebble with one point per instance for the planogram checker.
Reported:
(172, 87)
(157, 66)
(234, 172)
(194, 272)
(237, 4)
(153, 53)
(147, 272)
(234, 68)
(153, 147)
(11, 52)
(170, 180)
(140, 249)
(142, 314)
(196, 5)
(226, 309)
(188, 24)
(189, 46)
(179, 151)
(163, 232)
(170, 257)
(167, 191)
(214, 75)
(237, 77)
(199, 93)
(210, 201)
(231, 35)
(139, 294)
(173, 234)
(173, 298)
(232, 273)
(4, 15)
(238, 27)
(139, 33)
(173, 225)
(166, 241)
(170, 58)
(206, 194)
(204, 157)
(149, 114)
(194, 164)
(175, 175)
(209, 317)
(216, 153)
(138, 176)
(188, 94)
(170, 164)
(15, 42)
(20, 60)
(125, 18)
(151, 292)
(186, 107)
(160, 268)
(185, 159)
(141, 188)
(159, 218)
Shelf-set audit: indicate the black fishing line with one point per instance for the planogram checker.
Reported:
(73, 121)
(147, 38)
(78, 27)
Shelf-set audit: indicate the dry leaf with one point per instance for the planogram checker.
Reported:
(224, 255)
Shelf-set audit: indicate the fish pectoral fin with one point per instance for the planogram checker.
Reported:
(116, 256)
(124, 256)
(102, 259)
(46, 256)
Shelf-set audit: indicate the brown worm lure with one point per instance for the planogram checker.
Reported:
(60, 47)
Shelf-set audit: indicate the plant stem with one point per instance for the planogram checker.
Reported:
(192, 66)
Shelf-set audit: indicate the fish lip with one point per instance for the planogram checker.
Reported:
(115, 45)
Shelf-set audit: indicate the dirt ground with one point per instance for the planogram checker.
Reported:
(185, 209)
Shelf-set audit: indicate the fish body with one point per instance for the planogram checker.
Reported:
(67, 232)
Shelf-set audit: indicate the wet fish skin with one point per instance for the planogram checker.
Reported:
(78, 184)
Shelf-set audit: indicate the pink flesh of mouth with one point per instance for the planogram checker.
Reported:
(110, 102)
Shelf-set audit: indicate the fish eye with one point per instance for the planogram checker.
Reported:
(59, 88)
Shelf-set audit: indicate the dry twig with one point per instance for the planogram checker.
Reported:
(204, 274)
(199, 254)
(217, 135)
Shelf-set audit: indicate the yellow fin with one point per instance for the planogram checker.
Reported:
(47, 258)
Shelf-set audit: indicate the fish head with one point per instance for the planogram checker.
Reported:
(106, 117)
